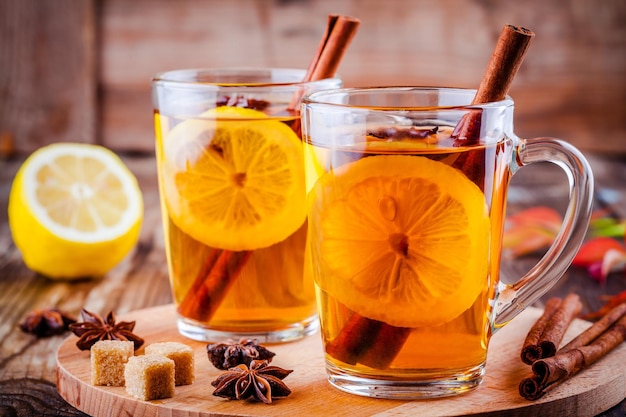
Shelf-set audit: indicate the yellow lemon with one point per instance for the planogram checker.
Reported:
(75, 210)
(234, 179)
(401, 239)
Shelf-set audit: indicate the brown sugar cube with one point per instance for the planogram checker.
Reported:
(108, 358)
(149, 377)
(181, 354)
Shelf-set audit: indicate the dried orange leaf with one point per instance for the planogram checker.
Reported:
(531, 230)
(520, 241)
(611, 303)
(544, 217)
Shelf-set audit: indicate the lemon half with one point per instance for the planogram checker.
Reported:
(75, 210)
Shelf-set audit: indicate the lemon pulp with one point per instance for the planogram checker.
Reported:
(234, 179)
(400, 239)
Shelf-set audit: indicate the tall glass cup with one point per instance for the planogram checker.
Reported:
(405, 230)
(232, 191)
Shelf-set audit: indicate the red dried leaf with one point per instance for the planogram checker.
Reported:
(593, 251)
(611, 303)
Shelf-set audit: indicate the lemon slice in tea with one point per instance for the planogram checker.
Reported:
(402, 239)
(234, 179)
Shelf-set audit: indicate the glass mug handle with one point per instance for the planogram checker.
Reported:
(514, 298)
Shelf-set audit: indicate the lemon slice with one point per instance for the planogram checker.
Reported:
(402, 239)
(234, 179)
(75, 210)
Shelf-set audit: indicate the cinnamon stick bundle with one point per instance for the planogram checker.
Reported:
(222, 268)
(599, 339)
(356, 335)
(546, 335)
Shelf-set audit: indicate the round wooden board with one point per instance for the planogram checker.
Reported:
(586, 394)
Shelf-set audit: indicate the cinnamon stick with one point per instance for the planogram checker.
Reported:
(339, 32)
(545, 336)
(222, 267)
(531, 350)
(503, 65)
(354, 339)
(549, 372)
(385, 347)
(385, 341)
(207, 292)
(596, 329)
(497, 79)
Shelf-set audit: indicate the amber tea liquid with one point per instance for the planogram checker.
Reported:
(255, 291)
(361, 220)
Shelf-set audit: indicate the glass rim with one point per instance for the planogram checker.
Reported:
(320, 97)
(174, 77)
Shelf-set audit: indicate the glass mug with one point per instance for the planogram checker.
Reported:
(232, 193)
(405, 228)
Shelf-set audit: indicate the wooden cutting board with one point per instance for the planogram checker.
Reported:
(590, 392)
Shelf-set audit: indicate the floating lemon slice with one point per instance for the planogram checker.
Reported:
(75, 210)
(233, 179)
(402, 239)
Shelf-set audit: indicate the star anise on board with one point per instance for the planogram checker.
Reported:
(46, 322)
(260, 382)
(95, 328)
(230, 353)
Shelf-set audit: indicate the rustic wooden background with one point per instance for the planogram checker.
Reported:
(75, 70)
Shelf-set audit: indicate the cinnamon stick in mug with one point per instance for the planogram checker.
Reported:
(494, 86)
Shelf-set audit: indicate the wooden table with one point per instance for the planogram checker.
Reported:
(27, 364)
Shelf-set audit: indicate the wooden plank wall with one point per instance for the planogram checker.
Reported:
(48, 80)
(571, 85)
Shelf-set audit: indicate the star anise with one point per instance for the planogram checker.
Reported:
(46, 322)
(95, 328)
(260, 382)
(242, 101)
(411, 132)
(230, 353)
